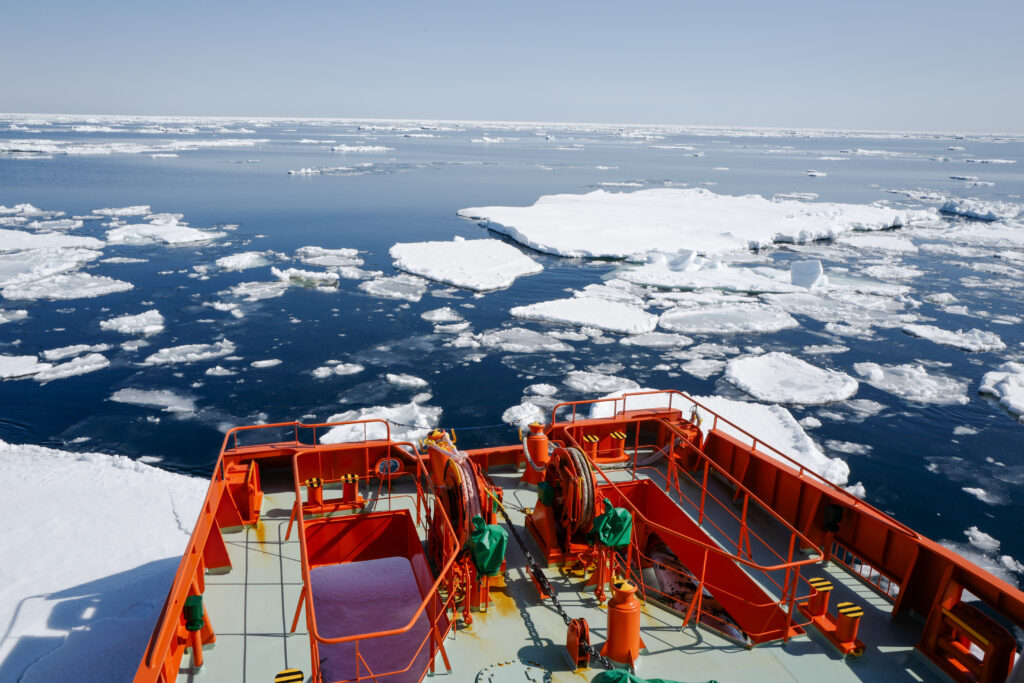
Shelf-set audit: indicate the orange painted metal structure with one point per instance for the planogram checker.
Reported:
(713, 478)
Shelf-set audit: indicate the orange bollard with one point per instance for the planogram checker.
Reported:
(624, 642)
(539, 457)
(315, 491)
(817, 606)
(848, 621)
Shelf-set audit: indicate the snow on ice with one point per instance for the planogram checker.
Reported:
(146, 323)
(481, 265)
(913, 383)
(778, 377)
(727, 319)
(610, 316)
(973, 340)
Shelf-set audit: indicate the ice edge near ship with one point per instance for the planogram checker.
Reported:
(727, 533)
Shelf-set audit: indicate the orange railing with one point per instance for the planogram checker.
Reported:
(432, 600)
(686, 402)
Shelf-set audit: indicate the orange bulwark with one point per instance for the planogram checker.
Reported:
(728, 534)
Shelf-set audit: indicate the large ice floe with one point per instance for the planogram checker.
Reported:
(243, 260)
(519, 340)
(165, 399)
(604, 224)
(66, 286)
(727, 319)
(402, 286)
(913, 383)
(161, 229)
(778, 377)
(595, 312)
(686, 270)
(1006, 383)
(82, 605)
(770, 424)
(191, 353)
(481, 265)
(972, 340)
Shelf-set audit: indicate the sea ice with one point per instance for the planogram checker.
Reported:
(166, 399)
(520, 340)
(807, 274)
(617, 225)
(74, 350)
(880, 242)
(243, 260)
(982, 210)
(17, 367)
(770, 424)
(597, 383)
(122, 211)
(657, 340)
(973, 340)
(446, 314)
(481, 265)
(602, 314)
(401, 286)
(778, 377)
(191, 353)
(10, 315)
(146, 323)
(66, 286)
(686, 270)
(703, 367)
(1006, 383)
(913, 383)
(337, 370)
(257, 291)
(268, 363)
(362, 149)
(524, 414)
(17, 240)
(163, 229)
(76, 366)
(408, 422)
(408, 381)
(727, 319)
(327, 258)
(306, 278)
(87, 598)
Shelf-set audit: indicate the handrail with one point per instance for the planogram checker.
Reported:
(430, 596)
(801, 468)
(700, 544)
(234, 431)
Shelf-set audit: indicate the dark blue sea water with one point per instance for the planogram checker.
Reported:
(916, 467)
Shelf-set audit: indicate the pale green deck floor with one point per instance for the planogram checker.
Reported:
(251, 609)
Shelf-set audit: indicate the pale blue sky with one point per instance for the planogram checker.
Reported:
(901, 64)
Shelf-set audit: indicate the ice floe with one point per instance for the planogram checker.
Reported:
(598, 383)
(807, 274)
(120, 212)
(18, 367)
(686, 270)
(447, 314)
(145, 323)
(36, 264)
(982, 210)
(305, 278)
(481, 265)
(76, 366)
(66, 286)
(973, 340)
(1006, 383)
(337, 369)
(87, 598)
(408, 422)
(243, 260)
(610, 316)
(328, 258)
(618, 225)
(11, 315)
(165, 399)
(362, 149)
(703, 368)
(405, 380)
(727, 319)
(913, 383)
(520, 340)
(63, 352)
(402, 286)
(191, 353)
(18, 240)
(162, 229)
(524, 414)
(778, 377)
(657, 340)
(268, 363)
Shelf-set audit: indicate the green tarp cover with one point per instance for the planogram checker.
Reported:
(614, 527)
(623, 676)
(487, 546)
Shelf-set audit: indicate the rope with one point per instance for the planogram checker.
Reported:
(545, 585)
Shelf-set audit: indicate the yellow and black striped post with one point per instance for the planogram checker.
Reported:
(591, 441)
(848, 621)
(290, 676)
(818, 605)
(619, 437)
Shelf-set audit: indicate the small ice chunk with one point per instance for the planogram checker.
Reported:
(258, 291)
(913, 383)
(219, 371)
(542, 389)
(703, 368)
(74, 350)
(402, 286)
(166, 399)
(972, 340)
(807, 274)
(146, 323)
(810, 422)
(329, 258)
(306, 278)
(408, 381)
(446, 314)
(686, 270)
(964, 430)
(269, 363)
(191, 353)
(243, 260)
(337, 370)
(657, 340)
(77, 366)
(163, 229)
(1006, 383)
(480, 265)
(983, 495)
(819, 349)
(362, 149)
(610, 316)
(524, 414)
(11, 315)
(727, 319)
(980, 540)
(521, 340)
(778, 377)
(594, 382)
(981, 210)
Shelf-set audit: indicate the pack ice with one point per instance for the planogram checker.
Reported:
(778, 377)
(480, 265)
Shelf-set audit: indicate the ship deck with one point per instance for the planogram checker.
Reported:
(523, 638)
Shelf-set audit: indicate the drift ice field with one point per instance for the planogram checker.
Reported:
(854, 296)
